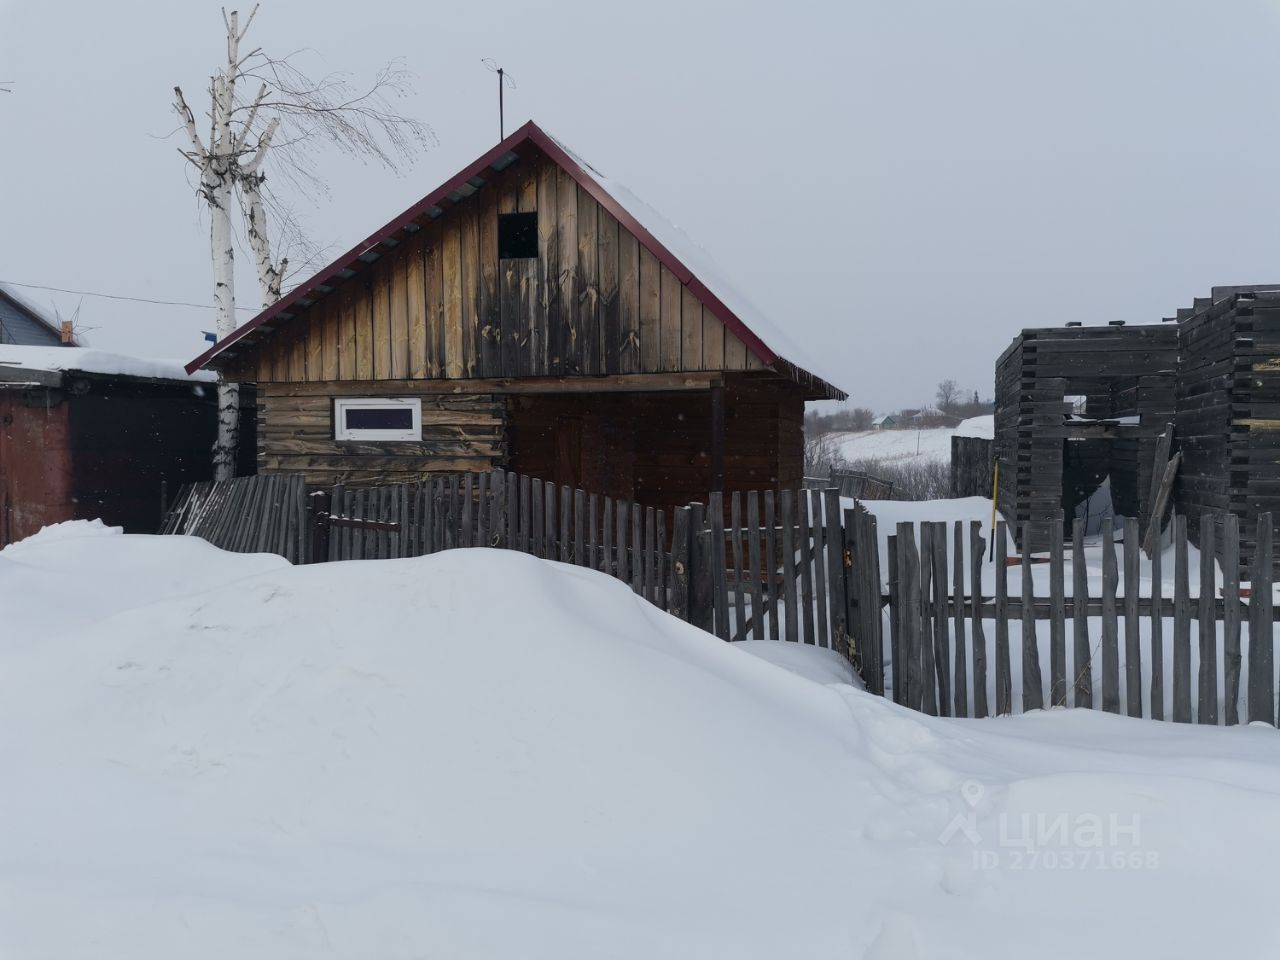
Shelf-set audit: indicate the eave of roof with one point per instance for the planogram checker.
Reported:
(35, 314)
(456, 190)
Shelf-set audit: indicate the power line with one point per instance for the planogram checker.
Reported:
(114, 296)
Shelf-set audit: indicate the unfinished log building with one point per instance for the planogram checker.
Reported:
(1228, 409)
(1076, 407)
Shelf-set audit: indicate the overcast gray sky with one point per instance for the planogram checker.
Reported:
(903, 184)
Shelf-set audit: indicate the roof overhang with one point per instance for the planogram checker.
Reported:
(455, 191)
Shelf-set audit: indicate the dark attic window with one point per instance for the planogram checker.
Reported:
(517, 236)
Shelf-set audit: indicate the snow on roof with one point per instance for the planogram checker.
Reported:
(37, 313)
(27, 305)
(85, 360)
(702, 265)
(672, 246)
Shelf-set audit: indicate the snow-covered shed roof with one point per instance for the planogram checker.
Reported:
(16, 360)
(25, 323)
(766, 340)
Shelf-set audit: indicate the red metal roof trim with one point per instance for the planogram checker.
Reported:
(351, 259)
(529, 133)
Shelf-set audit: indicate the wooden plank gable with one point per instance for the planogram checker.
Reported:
(441, 304)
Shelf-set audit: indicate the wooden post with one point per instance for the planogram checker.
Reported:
(791, 622)
(959, 682)
(771, 564)
(755, 568)
(715, 555)
(1082, 658)
(680, 573)
(835, 571)
(566, 524)
(977, 551)
(1207, 693)
(941, 625)
(1057, 618)
(468, 530)
(1230, 618)
(1157, 635)
(701, 610)
(717, 438)
(896, 658)
(1132, 626)
(872, 618)
(924, 624)
(1181, 624)
(482, 510)
(318, 525)
(1032, 681)
(607, 563)
(1261, 627)
(1110, 640)
(623, 525)
(909, 597)
(806, 565)
(579, 525)
(1004, 678)
(1151, 542)
(739, 581)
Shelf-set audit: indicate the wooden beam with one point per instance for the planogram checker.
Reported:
(717, 438)
(623, 383)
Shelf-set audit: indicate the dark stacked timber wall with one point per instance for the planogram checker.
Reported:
(655, 448)
(1121, 371)
(1228, 412)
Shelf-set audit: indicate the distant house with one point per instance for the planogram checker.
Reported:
(529, 314)
(887, 422)
(22, 323)
(86, 434)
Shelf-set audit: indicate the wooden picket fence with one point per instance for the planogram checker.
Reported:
(935, 630)
(757, 565)
(264, 514)
(944, 630)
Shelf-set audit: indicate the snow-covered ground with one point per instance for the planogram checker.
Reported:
(479, 754)
(903, 446)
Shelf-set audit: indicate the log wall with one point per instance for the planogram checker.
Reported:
(650, 447)
(1122, 371)
(1228, 412)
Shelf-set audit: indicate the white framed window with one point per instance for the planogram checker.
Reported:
(377, 418)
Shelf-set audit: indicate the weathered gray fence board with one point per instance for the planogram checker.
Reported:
(1181, 624)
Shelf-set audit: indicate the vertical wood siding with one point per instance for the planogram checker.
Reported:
(442, 305)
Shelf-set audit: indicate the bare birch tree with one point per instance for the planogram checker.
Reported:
(289, 117)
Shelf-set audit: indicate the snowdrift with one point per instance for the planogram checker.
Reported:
(478, 755)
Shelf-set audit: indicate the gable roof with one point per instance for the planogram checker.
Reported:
(33, 315)
(692, 266)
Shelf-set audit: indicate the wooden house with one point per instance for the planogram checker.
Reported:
(532, 314)
(87, 435)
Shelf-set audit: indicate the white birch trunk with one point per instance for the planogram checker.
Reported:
(219, 191)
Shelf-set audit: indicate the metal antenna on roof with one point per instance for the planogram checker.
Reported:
(504, 80)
